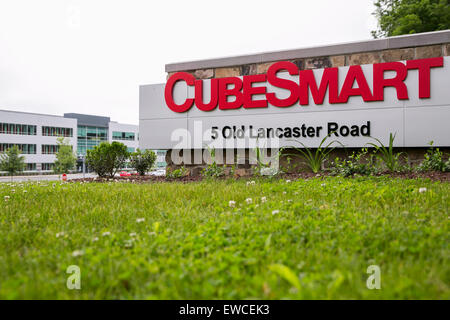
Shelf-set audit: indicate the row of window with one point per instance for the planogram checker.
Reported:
(14, 128)
(49, 149)
(31, 130)
(117, 135)
(57, 132)
(24, 148)
(31, 148)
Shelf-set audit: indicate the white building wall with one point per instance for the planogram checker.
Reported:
(120, 127)
(39, 120)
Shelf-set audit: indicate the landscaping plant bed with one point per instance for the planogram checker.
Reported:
(432, 175)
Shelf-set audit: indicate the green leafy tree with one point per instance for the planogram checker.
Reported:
(142, 161)
(397, 17)
(11, 161)
(107, 158)
(65, 157)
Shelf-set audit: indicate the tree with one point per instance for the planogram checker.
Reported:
(141, 161)
(397, 17)
(106, 159)
(65, 157)
(11, 161)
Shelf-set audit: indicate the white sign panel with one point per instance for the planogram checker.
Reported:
(365, 103)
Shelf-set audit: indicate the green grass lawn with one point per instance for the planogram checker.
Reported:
(310, 239)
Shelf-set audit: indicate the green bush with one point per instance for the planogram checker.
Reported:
(434, 161)
(358, 163)
(213, 170)
(142, 161)
(107, 158)
(177, 173)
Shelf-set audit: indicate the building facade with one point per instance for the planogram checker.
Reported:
(36, 136)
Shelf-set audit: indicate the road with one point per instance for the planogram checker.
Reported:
(56, 177)
(51, 177)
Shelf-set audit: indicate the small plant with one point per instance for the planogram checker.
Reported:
(177, 173)
(264, 167)
(315, 159)
(387, 154)
(358, 163)
(213, 170)
(107, 158)
(434, 161)
(142, 161)
(11, 161)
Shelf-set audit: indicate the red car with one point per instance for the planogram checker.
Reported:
(124, 174)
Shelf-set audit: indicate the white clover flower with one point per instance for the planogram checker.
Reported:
(323, 185)
(6, 198)
(77, 253)
(139, 220)
(106, 233)
(263, 199)
(128, 243)
(422, 190)
(275, 211)
(284, 192)
(290, 200)
(60, 234)
(288, 181)
(248, 200)
(133, 234)
(25, 191)
(95, 239)
(232, 203)
(13, 190)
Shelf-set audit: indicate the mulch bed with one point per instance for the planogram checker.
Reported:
(435, 176)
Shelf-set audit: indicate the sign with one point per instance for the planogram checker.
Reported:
(410, 99)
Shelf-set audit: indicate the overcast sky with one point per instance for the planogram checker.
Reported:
(90, 56)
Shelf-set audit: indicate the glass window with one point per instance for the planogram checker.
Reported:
(118, 135)
(57, 131)
(24, 148)
(22, 129)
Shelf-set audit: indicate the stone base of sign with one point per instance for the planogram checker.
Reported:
(291, 161)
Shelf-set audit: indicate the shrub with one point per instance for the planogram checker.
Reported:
(315, 159)
(65, 158)
(434, 161)
(142, 161)
(107, 158)
(213, 170)
(358, 163)
(177, 173)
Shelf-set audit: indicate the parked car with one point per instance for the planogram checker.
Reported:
(124, 174)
